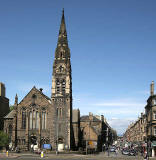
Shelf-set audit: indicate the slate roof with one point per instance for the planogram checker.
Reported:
(10, 114)
(86, 118)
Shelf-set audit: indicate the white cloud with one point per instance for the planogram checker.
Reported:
(124, 110)
(120, 124)
(119, 104)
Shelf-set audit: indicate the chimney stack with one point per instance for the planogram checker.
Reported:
(152, 88)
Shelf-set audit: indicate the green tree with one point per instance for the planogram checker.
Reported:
(4, 139)
(11, 107)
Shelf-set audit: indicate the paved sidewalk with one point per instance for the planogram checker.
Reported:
(100, 156)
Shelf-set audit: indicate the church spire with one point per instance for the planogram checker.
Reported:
(62, 50)
(63, 25)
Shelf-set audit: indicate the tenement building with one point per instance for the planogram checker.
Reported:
(150, 110)
(37, 119)
(143, 131)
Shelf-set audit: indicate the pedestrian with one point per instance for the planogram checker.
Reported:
(108, 151)
(145, 156)
(116, 151)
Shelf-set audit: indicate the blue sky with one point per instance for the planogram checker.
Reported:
(112, 45)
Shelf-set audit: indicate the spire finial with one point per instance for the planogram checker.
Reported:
(63, 11)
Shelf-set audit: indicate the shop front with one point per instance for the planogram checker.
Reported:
(153, 146)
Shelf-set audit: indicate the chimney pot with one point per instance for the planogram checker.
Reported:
(41, 89)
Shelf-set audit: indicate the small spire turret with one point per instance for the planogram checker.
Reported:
(16, 101)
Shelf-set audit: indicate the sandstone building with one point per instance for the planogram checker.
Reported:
(150, 110)
(143, 131)
(38, 119)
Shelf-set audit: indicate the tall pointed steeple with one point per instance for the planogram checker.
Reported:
(62, 38)
(62, 49)
(62, 89)
(63, 25)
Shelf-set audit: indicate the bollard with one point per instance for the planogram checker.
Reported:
(42, 154)
(7, 154)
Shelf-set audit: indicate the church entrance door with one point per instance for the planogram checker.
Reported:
(33, 142)
(60, 144)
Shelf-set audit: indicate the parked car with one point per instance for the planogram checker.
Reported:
(112, 149)
(132, 152)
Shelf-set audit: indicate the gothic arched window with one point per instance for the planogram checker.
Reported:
(44, 119)
(57, 85)
(60, 112)
(23, 119)
(61, 55)
(63, 85)
(34, 120)
(33, 99)
(37, 120)
(57, 111)
(61, 69)
(30, 120)
(10, 132)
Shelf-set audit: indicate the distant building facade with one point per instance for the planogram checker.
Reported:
(96, 132)
(143, 131)
(150, 110)
(136, 132)
(39, 120)
(4, 105)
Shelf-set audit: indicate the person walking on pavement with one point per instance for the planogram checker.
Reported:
(145, 156)
(116, 151)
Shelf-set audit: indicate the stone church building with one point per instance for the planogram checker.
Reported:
(39, 120)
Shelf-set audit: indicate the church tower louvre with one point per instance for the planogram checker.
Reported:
(62, 92)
